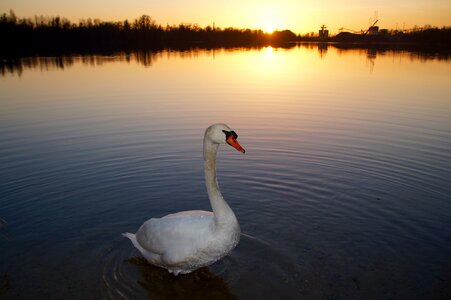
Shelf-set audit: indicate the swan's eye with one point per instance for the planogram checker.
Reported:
(230, 133)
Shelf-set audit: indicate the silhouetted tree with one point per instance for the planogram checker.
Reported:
(56, 34)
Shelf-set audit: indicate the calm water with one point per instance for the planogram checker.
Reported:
(344, 191)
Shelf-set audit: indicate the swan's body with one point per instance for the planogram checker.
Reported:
(185, 241)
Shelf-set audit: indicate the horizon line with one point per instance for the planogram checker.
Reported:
(213, 25)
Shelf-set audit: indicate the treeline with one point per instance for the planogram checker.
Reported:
(55, 35)
(426, 35)
(41, 35)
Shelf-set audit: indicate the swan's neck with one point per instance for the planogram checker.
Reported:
(222, 211)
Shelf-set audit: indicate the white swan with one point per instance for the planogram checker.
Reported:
(185, 241)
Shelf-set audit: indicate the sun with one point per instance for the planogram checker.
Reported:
(269, 27)
(269, 19)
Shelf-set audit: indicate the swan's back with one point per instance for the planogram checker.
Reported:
(184, 241)
(175, 231)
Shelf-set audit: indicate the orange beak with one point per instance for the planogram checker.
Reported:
(233, 142)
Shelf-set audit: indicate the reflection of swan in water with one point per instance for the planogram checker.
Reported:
(127, 275)
(188, 240)
(159, 284)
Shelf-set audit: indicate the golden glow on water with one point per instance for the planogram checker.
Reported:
(289, 75)
(292, 87)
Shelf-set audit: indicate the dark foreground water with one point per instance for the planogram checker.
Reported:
(344, 191)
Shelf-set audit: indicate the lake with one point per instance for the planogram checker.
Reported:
(344, 191)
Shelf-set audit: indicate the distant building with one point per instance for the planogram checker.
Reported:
(323, 32)
(373, 30)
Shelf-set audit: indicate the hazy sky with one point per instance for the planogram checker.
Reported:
(298, 15)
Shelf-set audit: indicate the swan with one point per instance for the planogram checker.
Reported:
(185, 241)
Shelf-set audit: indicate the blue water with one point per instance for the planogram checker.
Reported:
(343, 193)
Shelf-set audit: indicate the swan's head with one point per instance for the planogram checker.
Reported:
(222, 134)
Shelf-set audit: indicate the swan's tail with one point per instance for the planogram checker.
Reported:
(130, 236)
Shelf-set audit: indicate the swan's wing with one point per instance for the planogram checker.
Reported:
(177, 235)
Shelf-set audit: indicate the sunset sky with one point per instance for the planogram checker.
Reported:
(300, 16)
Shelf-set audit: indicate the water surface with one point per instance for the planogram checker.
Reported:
(343, 192)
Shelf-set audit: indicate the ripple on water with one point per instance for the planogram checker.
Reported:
(126, 274)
